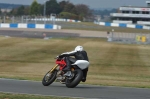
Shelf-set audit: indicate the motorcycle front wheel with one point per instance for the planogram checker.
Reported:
(78, 75)
(49, 78)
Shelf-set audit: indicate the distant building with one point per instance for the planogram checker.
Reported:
(132, 15)
(97, 18)
(6, 10)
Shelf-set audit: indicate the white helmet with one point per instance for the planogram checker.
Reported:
(79, 48)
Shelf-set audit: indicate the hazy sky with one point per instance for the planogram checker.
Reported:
(90, 3)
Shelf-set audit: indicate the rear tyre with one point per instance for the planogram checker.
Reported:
(49, 78)
(78, 75)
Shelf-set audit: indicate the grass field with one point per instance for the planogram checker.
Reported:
(111, 64)
(23, 96)
(95, 27)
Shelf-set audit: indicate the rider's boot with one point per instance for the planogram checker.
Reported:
(84, 75)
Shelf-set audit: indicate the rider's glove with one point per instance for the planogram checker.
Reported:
(57, 57)
(60, 56)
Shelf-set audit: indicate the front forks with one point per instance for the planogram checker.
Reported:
(53, 68)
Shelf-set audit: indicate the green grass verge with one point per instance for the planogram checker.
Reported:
(95, 27)
(111, 64)
(24, 96)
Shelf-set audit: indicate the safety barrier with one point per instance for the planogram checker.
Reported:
(34, 26)
(124, 25)
(130, 38)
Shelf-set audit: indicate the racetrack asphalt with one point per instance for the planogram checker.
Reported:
(41, 33)
(81, 91)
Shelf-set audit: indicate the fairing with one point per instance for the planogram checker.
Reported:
(82, 64)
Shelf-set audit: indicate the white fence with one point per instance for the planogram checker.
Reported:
(34, 26)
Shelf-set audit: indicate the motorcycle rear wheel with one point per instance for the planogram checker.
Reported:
(49, 78)
(78, 75)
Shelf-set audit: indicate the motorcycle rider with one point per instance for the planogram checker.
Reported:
(79, 54)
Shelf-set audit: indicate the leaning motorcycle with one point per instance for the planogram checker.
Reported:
(70, 78)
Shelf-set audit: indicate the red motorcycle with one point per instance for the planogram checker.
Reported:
(70, 78)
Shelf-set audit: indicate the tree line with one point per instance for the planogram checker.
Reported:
(104, 12)
(63, 9)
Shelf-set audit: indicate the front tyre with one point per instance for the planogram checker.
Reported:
(78, 75)
(49, 78)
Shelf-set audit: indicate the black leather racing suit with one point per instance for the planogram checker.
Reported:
(78, 55)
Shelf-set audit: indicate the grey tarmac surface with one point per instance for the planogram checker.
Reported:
(81, 91)
(39, 33)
